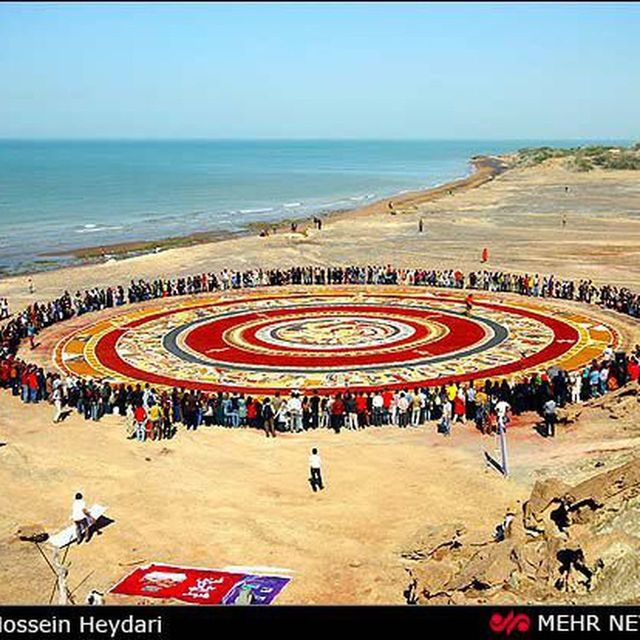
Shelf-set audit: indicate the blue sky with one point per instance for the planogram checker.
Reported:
(490, 70)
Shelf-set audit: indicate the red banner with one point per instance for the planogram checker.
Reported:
(198, 586)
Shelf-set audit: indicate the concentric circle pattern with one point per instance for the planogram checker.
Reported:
(325, 338)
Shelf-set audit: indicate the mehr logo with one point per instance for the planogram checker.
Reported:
(518, 622)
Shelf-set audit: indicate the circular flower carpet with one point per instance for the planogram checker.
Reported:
(326, 338)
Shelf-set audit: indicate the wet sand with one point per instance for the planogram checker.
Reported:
(484, 168)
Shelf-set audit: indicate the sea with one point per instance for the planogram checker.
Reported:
(57, 195)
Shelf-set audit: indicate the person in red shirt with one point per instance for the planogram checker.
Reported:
(459, 408)
(5, 373)
(387, 398)
(32, 382)
(140, 419)
(337, 413)
(252, 412)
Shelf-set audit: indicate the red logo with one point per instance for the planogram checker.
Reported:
(509, 623)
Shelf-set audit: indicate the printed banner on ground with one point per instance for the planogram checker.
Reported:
(200, 586)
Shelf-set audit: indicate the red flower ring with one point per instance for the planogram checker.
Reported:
(387, 337)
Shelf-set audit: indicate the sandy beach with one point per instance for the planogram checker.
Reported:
(218, 497)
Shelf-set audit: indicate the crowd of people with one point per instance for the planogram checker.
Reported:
(155, 414)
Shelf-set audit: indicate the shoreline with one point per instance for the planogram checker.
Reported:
(485, 168)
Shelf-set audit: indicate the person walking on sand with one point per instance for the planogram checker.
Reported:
(420, 225)
(485, 254)
(315, 467)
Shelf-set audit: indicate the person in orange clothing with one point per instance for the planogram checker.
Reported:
(485, 254)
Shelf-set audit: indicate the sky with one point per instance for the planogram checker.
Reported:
(319, 70)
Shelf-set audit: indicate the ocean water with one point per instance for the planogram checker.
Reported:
(61, 195)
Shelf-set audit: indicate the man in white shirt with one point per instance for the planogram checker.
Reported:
(550, 417)
(445, 422)
(502, 409)
(576, 387)
(403, 410)
(294, 408)
(82, 518)
(316, 472)
(56, 399)
(377, 403)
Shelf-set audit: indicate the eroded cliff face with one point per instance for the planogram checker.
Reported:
(565, 544)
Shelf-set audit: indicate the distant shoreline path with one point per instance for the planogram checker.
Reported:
(485, 169)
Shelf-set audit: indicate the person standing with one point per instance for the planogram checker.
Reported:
(352, 411)
(294, 409)
(31, 333)
(416, 408)
(550, 417)
(140, 420)
(314, 404)
(337, 413)
(444, 426)
(502, 412)
(268, 417)
(420, 225)
(315, 467)
(56, 399)
(459, 406)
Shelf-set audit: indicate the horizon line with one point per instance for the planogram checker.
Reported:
(305, 139)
